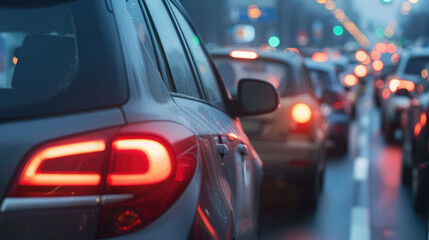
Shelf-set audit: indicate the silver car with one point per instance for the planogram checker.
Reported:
(114, 125)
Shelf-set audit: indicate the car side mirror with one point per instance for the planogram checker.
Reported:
(403, 92)
(255, 97)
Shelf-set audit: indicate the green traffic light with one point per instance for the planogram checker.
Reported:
(338, 30)
(386, 1)
(274, 41)
(379, 32)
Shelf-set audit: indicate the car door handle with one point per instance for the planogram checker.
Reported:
(222, 149)
(244, 150)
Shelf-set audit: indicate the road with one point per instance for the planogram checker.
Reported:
(363, 197)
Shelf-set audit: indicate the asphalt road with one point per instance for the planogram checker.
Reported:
(363, 197)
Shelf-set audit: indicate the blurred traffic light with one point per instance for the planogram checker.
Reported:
(386, 1)
(338, 30)
(274, 41)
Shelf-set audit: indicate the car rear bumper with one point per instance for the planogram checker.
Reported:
(338, 127)
(78, 217)
(290, 159)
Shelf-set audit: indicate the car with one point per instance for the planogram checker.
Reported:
(114, 123)
(389, 67)
(415, 155)
(393, 103)
(337, 109)
(291, 140)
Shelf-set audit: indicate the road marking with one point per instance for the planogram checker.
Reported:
(364, 121)
(359, 224)
(361, 168)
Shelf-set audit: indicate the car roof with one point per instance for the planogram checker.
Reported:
(325, 66)
(419, 52)
(291, 58)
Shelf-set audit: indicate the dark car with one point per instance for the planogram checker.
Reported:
(336, 107)
(415, 155)
(406, 76)
(115, 124)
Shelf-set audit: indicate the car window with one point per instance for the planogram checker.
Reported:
(304, 83)
(279, 74)
(58, 59)
(320, 78)
(204, 67)
(178, 63)
(142, 30)
(416, 65)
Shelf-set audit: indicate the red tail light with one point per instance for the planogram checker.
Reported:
(360, 71)
(241, 54)
(423, 119)
(151, 164)
(350, 80)
(301, 113)
(396, 84)
(139, 162)
(76, 164)
(301, 116)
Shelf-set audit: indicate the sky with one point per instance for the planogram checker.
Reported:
(379, 13)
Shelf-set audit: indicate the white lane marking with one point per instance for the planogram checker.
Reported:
(361, 167)
(364, 121)
(359, 228)
(363, 140)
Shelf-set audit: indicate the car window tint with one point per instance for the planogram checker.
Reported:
(416, 65)
(206, 71)
(56, 59)
(142, 30)
(180, 69)
(320, 78)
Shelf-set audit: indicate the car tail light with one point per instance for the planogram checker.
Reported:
(76, 164)
(396, 84)
(241, 54)
(301, 116)
(340, 102)
(386, 93)
(320, 57)
(145, 166)
(301, 113)
(350, 80)
(417, 129)
(360, 71)
(423, 119)
(379, 84)
(378, 65)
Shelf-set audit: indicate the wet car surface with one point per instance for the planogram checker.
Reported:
(214, 119)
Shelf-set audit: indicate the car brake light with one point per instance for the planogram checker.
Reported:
(360, 71)
(417, 129)
(386, 93)
(301, 113)
(423, 119)
(139, 162)
(65, 165)
(396, 84)
(339, 105)
(241, 54)
(320, 57)
(152, 167)
(350, 80)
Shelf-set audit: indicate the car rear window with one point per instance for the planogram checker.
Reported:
(277, 73)
(57, 59)
(416, 65)
(320, 78)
